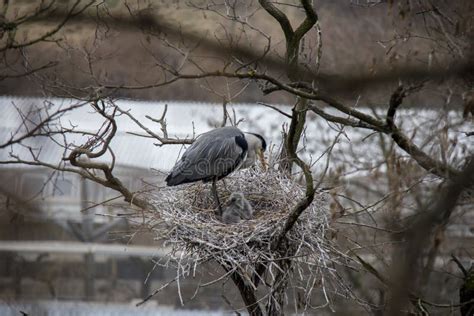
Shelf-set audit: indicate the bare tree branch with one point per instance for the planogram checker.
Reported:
(346, 82)
(408, 262)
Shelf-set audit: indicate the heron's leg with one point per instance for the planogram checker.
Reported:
(216, 196)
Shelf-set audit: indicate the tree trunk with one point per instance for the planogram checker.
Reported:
(247, 292)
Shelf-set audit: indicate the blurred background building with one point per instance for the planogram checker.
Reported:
(63, 238)
(66, 244)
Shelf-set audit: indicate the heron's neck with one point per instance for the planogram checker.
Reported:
(253, 143)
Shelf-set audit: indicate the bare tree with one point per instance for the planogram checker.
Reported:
(408, 168)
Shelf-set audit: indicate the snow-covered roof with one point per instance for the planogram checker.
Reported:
(354, 145)
(182, 118)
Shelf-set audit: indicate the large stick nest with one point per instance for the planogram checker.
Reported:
(192, 228)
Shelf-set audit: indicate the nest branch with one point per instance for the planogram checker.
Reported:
(184, 218)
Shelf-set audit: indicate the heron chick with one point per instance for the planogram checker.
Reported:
(216, 154)
(238, 207)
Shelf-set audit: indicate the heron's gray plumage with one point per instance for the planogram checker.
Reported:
(238, 207)
(212, 156)
(231, 215)
(253, 141)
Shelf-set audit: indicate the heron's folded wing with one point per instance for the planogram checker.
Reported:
(213, 155)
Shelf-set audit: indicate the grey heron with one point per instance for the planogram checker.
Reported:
(216, 154)
(238, 207)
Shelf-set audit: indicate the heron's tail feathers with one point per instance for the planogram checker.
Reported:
(177, 178)
(174, 179)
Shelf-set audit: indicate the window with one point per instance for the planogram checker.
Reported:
(62, 186)
(9, 181)
(32, 185)
(94, 191)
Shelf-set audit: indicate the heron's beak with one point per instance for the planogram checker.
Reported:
(262, 159)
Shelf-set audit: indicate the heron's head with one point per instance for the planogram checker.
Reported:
(258, 145)
(235, 198)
